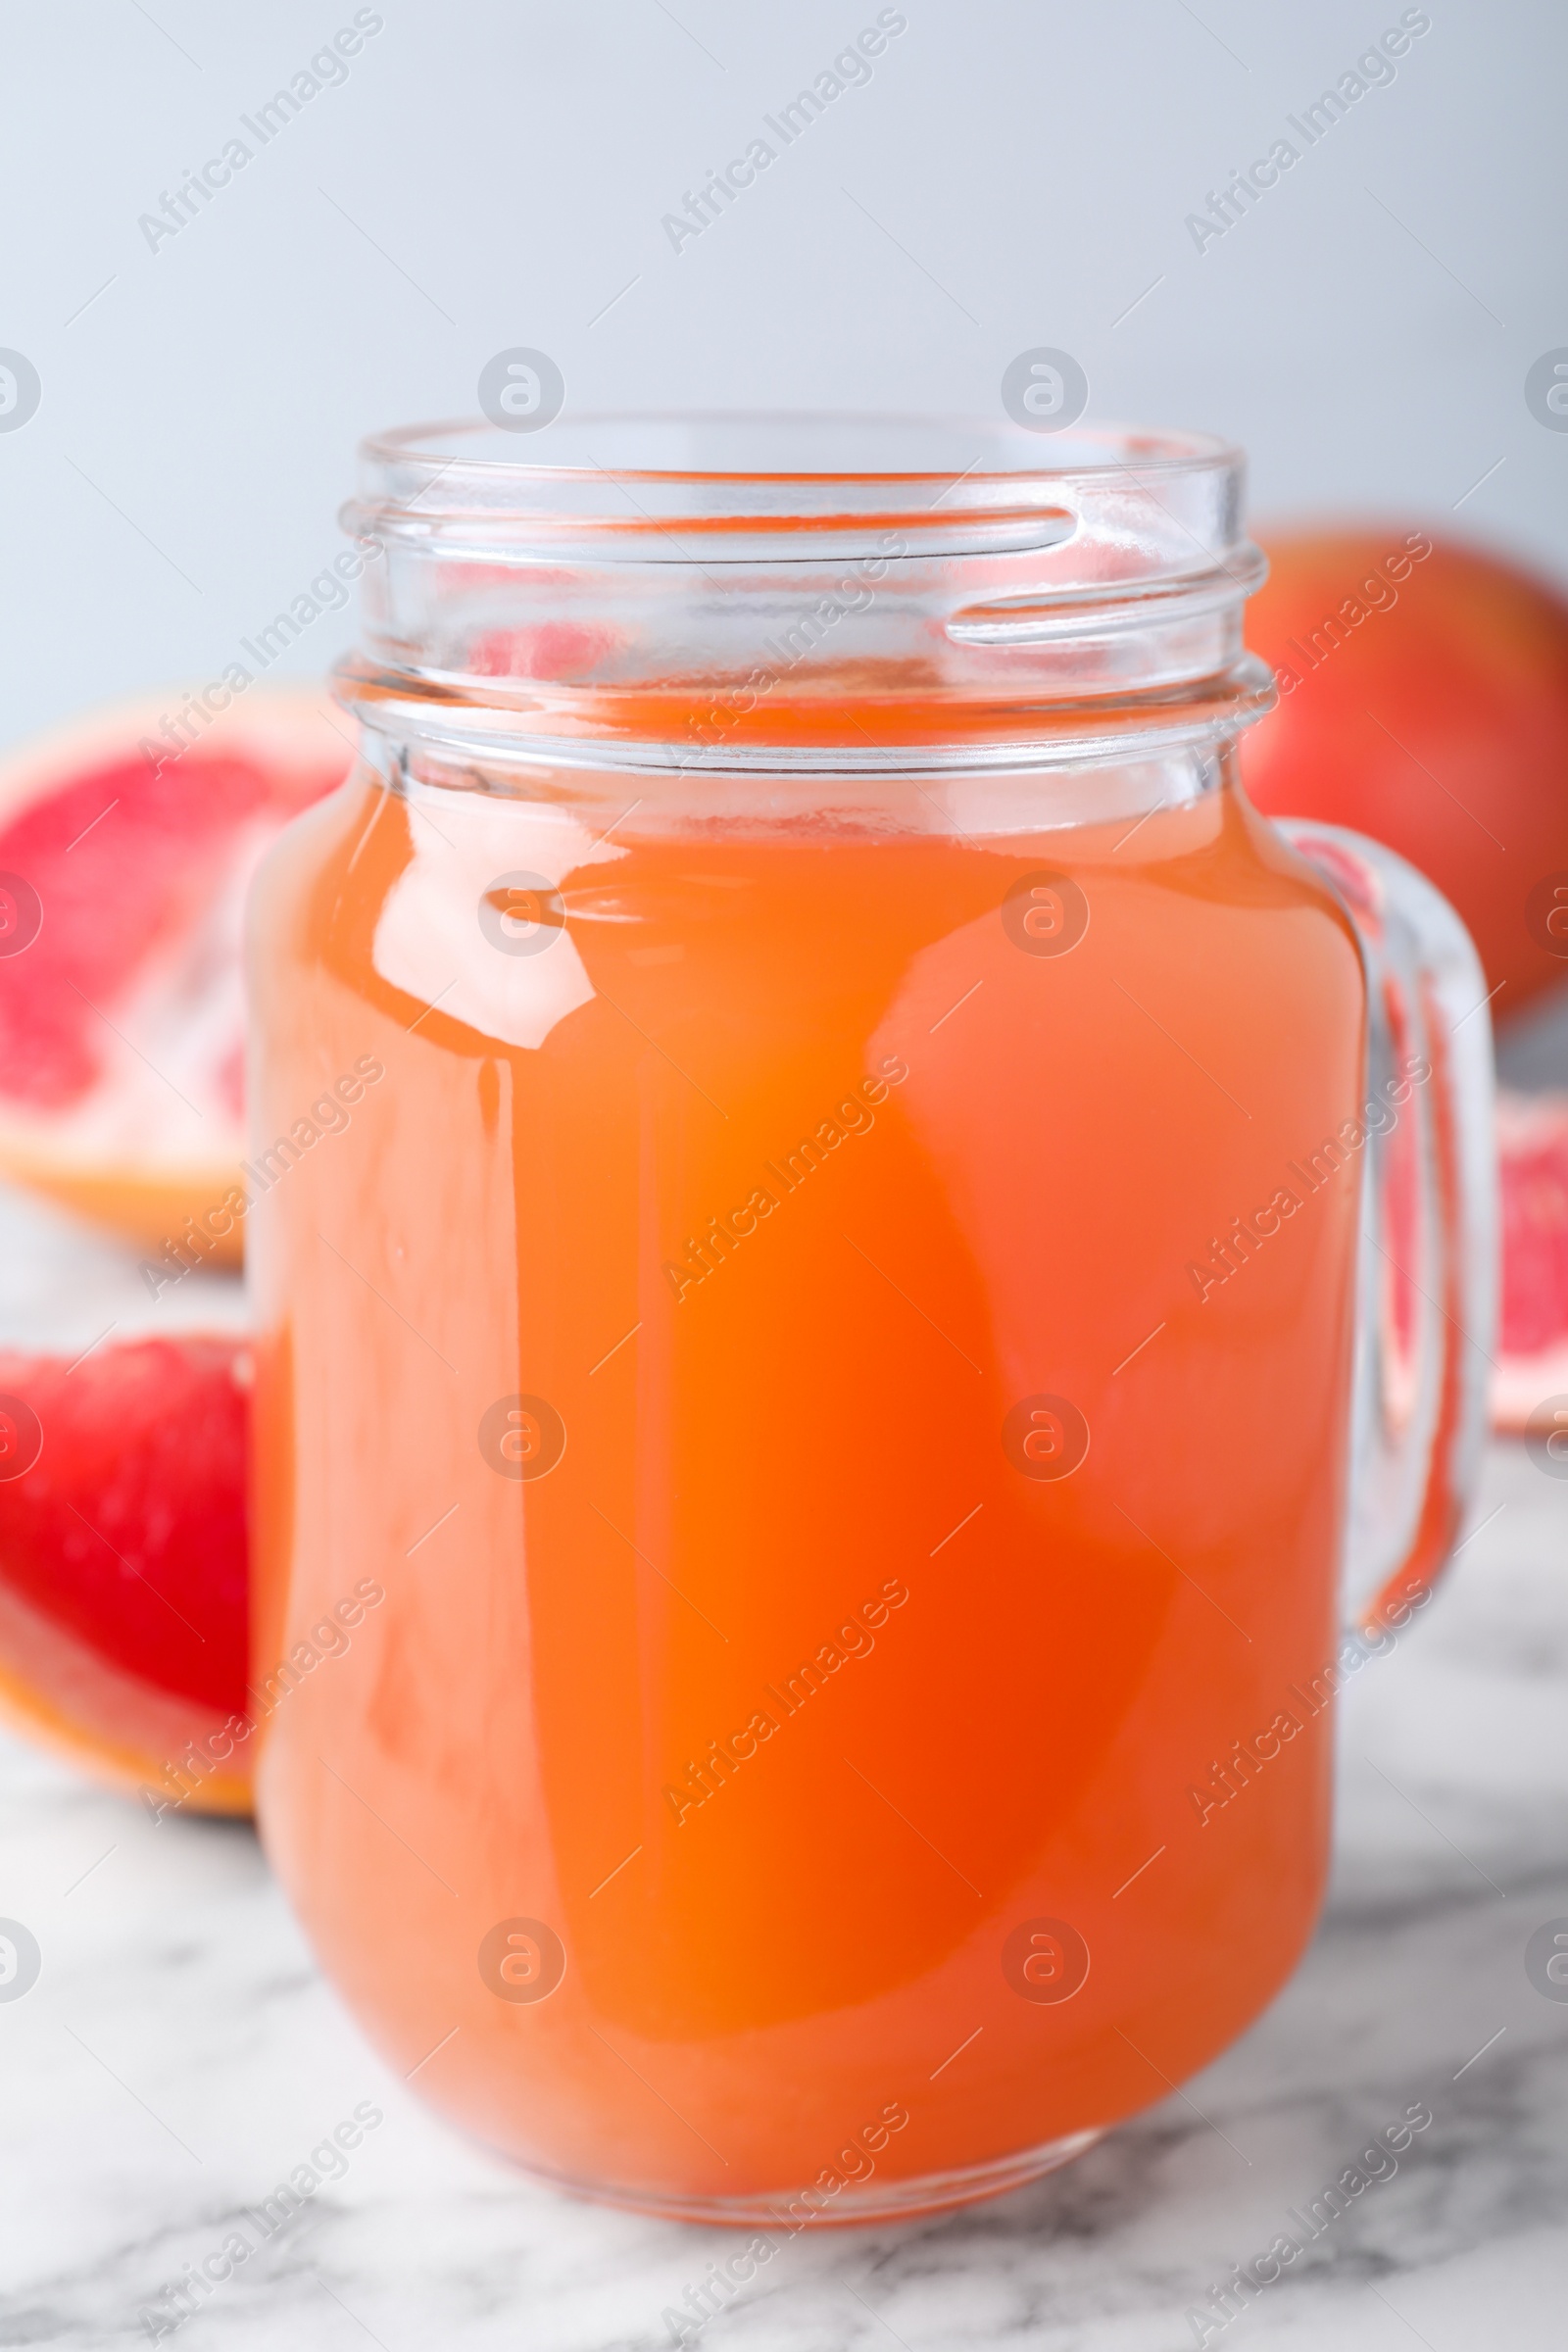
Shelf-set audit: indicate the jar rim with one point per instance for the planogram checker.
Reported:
(1182, 444)
(815, 460)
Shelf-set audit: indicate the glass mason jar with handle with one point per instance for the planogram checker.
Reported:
(859, 1270)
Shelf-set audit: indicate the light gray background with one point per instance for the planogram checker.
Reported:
(1015, 173)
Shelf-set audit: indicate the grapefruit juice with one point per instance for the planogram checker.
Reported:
(816, 1341)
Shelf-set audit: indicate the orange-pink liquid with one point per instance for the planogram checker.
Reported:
(783, 1900)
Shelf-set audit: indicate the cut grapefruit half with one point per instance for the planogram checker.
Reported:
(1533, 1171)
(125, 852)
(123, 1637)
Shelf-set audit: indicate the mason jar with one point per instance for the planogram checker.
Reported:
(859, 1273)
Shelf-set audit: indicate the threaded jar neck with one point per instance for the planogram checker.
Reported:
(803, 593)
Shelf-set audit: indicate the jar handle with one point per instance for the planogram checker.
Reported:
(1428, 1283)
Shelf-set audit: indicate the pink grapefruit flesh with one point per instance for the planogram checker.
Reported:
(123, 1637)
(124, 867)
(1532, 1167)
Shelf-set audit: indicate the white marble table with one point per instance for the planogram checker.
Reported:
(179, 2055)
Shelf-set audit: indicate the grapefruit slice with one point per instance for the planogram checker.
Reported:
(123, 1638)
(1533, 1168)
(123, 865)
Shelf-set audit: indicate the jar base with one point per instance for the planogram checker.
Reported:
(853, 2207)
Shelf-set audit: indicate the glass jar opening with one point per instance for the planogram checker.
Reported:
(757, 590)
